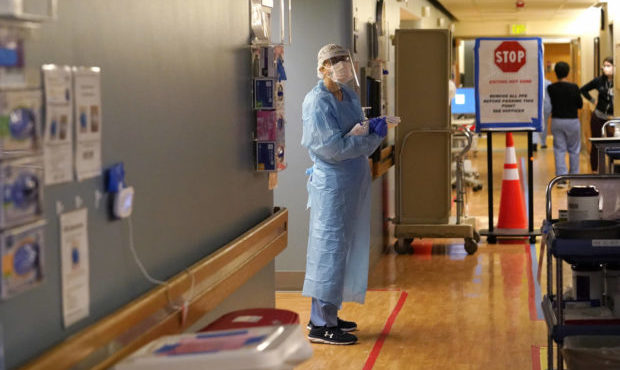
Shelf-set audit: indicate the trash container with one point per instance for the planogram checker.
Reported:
(266, 347)
(586, 352)
(254, 317)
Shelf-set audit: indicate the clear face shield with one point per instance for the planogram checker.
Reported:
(342, 70)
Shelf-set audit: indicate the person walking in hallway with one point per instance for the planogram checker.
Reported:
(565, 125)
(604, 110)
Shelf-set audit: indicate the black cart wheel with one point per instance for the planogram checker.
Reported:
(476, 236)
(403, 246)
(532, 239)
(470, 246)
(491, 239)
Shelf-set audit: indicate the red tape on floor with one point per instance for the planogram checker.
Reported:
(376, 349)
(536, 358)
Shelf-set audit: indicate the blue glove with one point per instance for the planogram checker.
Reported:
(378, 126)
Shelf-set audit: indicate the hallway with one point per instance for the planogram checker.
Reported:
(442, 309)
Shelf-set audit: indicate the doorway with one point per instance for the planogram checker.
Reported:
(562, 51)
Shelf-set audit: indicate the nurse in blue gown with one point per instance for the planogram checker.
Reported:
(338, 195)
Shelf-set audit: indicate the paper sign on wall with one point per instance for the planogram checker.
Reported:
(58, 135)
(509, 83)
(75, 266)
(88, 122)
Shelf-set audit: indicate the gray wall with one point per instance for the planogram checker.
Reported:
(315, 23)
(176, 110)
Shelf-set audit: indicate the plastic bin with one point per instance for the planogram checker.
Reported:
(267, 347)
(254, 317)
(586, 352)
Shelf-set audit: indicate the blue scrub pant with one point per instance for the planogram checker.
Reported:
(541, 137)
(323, 313)
(545, 126)
(566, 138)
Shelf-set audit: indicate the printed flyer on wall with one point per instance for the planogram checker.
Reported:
(75, 266)
(58, 134)
(88, 122)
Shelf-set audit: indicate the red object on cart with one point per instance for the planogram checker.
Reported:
(253, 317)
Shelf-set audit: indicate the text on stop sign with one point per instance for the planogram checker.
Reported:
(509, 56)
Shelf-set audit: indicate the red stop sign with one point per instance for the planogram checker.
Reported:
(510, 56)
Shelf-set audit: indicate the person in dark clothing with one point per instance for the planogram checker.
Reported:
(604, 111)
(565, 126)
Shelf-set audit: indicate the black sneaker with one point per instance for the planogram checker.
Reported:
(343, 325)
(330, 335)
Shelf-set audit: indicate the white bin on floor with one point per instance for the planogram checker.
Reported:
(269, 347)
(588, 352)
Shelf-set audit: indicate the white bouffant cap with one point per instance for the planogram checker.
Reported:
(327, 52)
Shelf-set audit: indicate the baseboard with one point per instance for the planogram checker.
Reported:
(290, 280)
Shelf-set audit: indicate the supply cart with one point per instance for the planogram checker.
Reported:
(423, 143)
(583, 249)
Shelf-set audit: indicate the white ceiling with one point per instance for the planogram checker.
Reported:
(506, 10)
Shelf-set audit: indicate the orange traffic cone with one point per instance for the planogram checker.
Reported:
(512, 205)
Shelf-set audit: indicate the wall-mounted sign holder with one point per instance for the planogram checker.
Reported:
(268, 76)
(15, 11)
(260, 21)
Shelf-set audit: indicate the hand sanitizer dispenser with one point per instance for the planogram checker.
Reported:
(122, 204)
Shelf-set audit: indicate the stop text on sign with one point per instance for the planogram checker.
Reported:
(510, 56)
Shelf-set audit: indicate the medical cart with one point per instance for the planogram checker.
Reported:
(583, 250)
(423, 143)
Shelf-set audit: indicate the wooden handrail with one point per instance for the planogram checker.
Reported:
(158, 312)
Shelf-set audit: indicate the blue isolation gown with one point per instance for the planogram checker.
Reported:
(338, 197)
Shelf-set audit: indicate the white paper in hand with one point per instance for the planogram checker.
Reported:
(395, 120)
(360, 129)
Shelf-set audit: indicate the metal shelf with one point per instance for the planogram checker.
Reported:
(559, 332)
(585, 250)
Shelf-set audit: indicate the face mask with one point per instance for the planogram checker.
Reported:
(341, 72)
(608, 70)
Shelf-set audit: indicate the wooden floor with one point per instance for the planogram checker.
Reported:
(442, 309)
